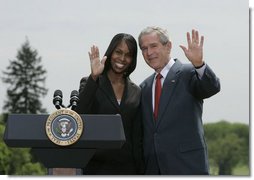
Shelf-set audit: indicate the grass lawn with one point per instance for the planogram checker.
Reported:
(241, 171)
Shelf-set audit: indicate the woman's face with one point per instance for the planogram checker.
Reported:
(121, 58)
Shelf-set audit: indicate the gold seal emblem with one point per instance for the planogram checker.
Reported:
(64, 127)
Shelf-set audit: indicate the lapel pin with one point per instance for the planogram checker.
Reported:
(173, 81)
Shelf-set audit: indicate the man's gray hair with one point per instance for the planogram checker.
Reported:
(162, 33)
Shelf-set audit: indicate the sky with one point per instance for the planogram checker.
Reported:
(62, 31)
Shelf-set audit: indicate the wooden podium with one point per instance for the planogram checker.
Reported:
(100, 132)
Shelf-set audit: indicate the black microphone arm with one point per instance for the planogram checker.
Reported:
(57, 99)
(74, 98)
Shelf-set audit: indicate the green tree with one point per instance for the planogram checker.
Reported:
(228, 145)
(4, 154)
(26, 78)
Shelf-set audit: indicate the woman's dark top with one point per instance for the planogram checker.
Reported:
(97, 97)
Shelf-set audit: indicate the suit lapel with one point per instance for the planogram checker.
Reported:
(127, 89)
(147, 99)
(106, 87)
(168, 89)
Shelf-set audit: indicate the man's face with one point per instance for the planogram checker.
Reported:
(154, 52)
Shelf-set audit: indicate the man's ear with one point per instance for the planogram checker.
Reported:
(169, 46)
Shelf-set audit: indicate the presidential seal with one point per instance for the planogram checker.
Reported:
(64, 127)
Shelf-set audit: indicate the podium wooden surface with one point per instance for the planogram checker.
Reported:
(65, 171)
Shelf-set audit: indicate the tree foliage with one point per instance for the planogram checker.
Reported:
(228, 145)
(26, 79)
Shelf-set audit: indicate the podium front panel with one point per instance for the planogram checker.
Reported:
(100, 131)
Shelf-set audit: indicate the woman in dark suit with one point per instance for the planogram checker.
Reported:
(109, 90)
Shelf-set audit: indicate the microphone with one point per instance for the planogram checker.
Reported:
(57, 99)
(74, 99)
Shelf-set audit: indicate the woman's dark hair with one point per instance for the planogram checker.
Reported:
(132, 45)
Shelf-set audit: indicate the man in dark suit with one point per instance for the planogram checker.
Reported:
(174, 142)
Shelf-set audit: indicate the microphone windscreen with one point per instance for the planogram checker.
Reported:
(74, 93)
(58, 93)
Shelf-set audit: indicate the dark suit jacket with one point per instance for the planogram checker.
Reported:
(175, 141)
(99, 98)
